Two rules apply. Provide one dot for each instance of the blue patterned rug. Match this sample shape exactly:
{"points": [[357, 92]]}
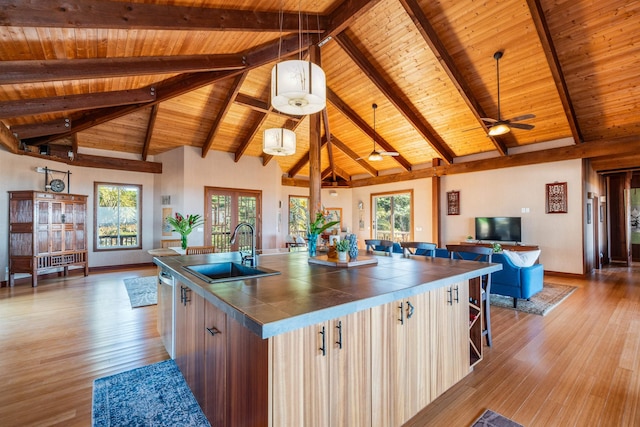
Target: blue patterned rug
{"points": [[142, 291], [493, 419], [156, 395]]}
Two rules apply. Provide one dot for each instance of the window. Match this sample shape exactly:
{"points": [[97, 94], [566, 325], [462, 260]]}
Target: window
{"points": [[117, 216], [298, 216], [392, 216]]}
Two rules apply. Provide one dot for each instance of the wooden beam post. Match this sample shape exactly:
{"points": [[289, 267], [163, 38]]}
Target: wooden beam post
{"points": [[435, 206], [315, 144]]}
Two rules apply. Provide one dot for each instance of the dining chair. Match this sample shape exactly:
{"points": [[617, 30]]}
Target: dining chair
{"points": [[418, 248], [481, 254], [195, 250]]}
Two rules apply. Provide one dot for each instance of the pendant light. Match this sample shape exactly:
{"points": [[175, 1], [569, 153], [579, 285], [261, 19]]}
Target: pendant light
{"points": [[279, 142], [298, 87]]}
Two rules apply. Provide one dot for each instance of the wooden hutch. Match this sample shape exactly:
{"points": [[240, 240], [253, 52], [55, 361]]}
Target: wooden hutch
{"points": [[46, 231]]}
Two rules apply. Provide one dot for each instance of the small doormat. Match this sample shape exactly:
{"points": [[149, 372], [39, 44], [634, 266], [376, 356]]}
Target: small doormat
{"points": [[541, 303], [142, 291], [155, 395], [493, 419]]}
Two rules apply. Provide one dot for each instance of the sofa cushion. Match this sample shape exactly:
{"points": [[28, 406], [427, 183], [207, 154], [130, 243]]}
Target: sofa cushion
{"points": [[522, 258]]}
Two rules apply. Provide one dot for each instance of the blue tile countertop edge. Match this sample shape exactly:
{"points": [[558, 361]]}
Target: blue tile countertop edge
{"points": [[305, 294]]}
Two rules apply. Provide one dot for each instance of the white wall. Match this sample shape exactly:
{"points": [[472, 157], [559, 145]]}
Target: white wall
{"points": [[18, 173]]}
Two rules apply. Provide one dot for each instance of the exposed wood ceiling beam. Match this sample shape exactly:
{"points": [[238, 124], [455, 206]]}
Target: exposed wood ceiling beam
{"points": [[112, 163], [182, 84], [261, 106], [537, 14], [127, 15], [364, 127], [346, 14], [226, 106], [327, 133], [150, 125], [622, 146], [446, 61], [8, 139], [354, 156], [420, 125], [253, 130], [39, 129], [303, 160], [14, 72], [56, 104], [329, 172]]}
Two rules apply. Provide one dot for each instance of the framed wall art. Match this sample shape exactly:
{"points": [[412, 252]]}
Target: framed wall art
{"points": [[453, 203], [557, 197], [334, 214]]}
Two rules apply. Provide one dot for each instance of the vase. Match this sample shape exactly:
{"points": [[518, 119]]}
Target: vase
{"points": [[342, 256], [313, 244], [353, 247], [183, 241]]}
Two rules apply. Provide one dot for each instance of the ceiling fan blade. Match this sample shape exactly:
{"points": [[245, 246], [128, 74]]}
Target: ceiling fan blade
{"points": [[521, 126], [523, 117], [487, 119], [389, 153]]}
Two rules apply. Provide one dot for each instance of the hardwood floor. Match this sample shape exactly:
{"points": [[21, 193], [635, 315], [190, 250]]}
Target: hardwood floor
{"points": [[577, 366], [57, 338]]}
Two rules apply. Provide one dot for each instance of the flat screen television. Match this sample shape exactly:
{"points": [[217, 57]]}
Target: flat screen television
{"points": [[501, 229]]}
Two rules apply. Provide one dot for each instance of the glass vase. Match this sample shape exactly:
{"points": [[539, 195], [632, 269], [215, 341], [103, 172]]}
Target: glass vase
{"points": [[183, 241], [313, 244]]}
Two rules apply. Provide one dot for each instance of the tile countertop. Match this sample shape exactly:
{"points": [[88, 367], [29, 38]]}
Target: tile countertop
{"points": [[306, 294]]}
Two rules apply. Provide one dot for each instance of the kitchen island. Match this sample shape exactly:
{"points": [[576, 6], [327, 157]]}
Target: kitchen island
{"points": [[319, 345]]}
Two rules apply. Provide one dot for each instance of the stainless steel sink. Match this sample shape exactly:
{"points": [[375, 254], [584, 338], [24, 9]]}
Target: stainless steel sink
{"points": [[226, 271]]}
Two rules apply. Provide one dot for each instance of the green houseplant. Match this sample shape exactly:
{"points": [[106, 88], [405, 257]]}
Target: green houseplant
{"points": [[342, 246], [184, 225], [315, 228]]}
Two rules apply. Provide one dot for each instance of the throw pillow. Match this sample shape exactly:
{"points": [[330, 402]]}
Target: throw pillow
{"points": [[522, 258]]}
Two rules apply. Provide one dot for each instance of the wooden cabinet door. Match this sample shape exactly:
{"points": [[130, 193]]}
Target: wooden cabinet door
{"points": [[417, 363], [215, 360], [43, 227], [449, 336], [287, 368], [350, 370], [189, 326]]}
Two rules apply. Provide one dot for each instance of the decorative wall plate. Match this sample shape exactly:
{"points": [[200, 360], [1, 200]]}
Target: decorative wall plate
{"points": [[57, 185]]}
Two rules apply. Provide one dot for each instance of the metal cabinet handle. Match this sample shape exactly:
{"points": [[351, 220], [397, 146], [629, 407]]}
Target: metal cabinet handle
{"points": [[458, 294], [401, 319], [323, 347], [339, 328], [213, 331], [450, 296]]}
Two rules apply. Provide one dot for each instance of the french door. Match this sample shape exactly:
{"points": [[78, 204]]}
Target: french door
{"points": [[392, 216], [226, 208]]}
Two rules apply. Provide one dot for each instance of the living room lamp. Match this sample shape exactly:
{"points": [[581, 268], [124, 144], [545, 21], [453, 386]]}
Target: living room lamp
{"points": [[298, 87], [279, 142]]}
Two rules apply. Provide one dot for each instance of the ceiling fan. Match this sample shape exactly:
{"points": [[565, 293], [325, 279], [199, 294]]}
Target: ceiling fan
{"points": [[375, 154], [501, 126]]}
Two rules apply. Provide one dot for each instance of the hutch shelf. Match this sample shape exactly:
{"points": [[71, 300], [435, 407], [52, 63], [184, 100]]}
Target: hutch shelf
{"points": [[47, 231]]}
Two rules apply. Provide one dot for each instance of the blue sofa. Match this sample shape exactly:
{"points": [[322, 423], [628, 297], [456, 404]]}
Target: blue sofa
{"points": [[512, 281]]}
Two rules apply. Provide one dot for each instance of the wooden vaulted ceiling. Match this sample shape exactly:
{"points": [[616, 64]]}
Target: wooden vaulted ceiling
{"points": [[146, 77]]}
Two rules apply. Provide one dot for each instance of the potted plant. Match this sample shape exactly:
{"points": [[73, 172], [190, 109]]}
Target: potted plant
{"points": [[342, 246], [184, 226], [316, 227]]}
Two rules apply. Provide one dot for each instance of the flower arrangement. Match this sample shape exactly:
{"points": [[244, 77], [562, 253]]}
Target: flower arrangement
{"points": [[320, 224], [184, 226]]}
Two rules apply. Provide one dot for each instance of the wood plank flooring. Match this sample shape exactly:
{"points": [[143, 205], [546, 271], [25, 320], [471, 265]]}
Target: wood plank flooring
{"points": [[577, 366]]}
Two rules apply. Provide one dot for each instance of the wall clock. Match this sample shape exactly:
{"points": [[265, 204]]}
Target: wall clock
{"points": [[57, 185]]}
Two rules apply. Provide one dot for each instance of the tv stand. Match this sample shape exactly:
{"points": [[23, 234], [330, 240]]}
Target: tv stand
{"points": [[507, 246]]}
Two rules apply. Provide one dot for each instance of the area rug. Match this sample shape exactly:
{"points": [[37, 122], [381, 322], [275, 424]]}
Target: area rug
{"points": [[493, 419], [541, 303], [155, 395], [142, 291]]}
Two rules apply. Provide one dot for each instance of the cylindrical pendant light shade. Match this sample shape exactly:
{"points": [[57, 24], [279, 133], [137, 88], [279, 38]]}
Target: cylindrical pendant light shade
{"points": [[279, 142], [499, 129], [298, 87]]}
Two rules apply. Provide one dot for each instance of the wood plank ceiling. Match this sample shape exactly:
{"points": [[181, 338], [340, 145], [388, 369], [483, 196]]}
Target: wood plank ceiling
{"points": [[146, 77]]}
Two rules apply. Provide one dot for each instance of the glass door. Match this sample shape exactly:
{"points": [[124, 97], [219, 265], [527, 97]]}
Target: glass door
{"points": [[228, 208], [392, 216]]}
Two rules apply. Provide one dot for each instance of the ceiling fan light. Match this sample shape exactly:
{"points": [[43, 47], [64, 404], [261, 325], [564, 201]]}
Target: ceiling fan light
{"points": [[499, 129], [298, 87], [375, 157], [279, 142]]}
